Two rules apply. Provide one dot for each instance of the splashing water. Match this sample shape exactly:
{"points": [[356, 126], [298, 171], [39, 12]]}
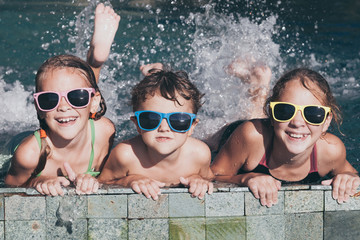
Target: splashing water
{"points": [[201, 39]]}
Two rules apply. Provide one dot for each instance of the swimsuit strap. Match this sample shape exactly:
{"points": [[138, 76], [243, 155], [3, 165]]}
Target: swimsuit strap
{"points": [[90, 170], [313, 160], [38, 139]]}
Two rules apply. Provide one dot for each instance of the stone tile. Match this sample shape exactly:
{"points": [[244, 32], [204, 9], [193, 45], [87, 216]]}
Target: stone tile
{"points": [[2, 207], [150, 229], [25, 208], [2, 229], [265, 227], [174, 190], [287, 187], [58, 229], [66, 207], [224, 204], [254, 207], [12, 190], [226, 228], [183, 205], [141, 207], [107, 206], [33, 229], [332, 205], [342, 225], [187, 228], [304, 201], [107, 229], [304, 226]]}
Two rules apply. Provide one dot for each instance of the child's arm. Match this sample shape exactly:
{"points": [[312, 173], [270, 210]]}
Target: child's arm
{"points": [[236, 152], [345, 179], [116, 171], [201, 182], [23, 164], [105, 26]]}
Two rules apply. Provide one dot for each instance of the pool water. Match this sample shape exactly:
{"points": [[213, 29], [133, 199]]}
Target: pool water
{"points": [[200, 37]]}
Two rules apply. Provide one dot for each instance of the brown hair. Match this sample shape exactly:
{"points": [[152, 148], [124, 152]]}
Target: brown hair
{"points": [[305, 76], [60, 62], [169, 84]]}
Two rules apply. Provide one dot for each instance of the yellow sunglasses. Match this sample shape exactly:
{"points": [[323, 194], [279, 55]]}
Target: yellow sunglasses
{"points": [[312, 114]]}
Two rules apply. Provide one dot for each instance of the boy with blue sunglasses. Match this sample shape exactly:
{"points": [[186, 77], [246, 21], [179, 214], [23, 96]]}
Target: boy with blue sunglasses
{"points": [[165, 104]]}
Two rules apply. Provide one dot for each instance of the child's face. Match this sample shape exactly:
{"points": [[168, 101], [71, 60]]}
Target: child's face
{"points": [[163, 140], [64, 120], [296, 134]]}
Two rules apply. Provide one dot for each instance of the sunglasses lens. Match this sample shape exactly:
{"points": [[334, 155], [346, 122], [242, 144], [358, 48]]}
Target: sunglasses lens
{"points": [[149, 120], [180, 121], [314, 114], [283, 111], [48, 101], [78, 97]]}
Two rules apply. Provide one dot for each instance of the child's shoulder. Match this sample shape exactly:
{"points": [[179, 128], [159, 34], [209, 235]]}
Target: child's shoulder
{"points": [[252, 131], [27, 153], [127, 150], [197, 149], [330, 148], [105, 126]]}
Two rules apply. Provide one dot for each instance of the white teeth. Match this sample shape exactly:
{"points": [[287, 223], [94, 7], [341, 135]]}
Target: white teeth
{"points": [[294, 135], [65, 120]]}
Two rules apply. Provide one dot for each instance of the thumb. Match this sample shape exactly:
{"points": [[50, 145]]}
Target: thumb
{"points": [[64, 182], [160, 184], [71, 174], [184, 181], [327, 182]]}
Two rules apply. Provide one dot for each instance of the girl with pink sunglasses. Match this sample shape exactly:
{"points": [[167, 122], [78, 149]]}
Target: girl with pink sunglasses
{"points": [[74, 138]]}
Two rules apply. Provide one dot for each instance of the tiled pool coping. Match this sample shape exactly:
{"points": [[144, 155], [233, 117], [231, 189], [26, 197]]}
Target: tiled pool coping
{"points": [[303, 212]]}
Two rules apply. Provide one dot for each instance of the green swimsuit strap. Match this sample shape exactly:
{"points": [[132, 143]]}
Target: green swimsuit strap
{"points": [[90, 170]]}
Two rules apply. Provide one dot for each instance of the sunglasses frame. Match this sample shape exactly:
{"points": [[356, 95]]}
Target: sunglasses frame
{"points": [[166, 116], [301, 108], [63, 94]]}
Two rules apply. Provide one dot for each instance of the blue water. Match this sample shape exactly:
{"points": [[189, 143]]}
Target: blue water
{"points": [[200, 38]]}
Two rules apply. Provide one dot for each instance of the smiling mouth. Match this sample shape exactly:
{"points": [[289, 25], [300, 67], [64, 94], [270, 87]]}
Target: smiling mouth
{"points": [[66, 120], [297, 135]]}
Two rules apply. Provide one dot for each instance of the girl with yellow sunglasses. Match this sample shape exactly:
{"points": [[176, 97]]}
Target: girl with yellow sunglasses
{"points": [[290, 146]]}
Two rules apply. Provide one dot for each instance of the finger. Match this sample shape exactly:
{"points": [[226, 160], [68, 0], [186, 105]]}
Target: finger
{"points": [[184, 181], [136, 187], [263, 199], [39, 189], [355, 186], [90, 184], [211, 188], [70, 172], [59, 189], [197, 191], [63, 181], [95, 187], [45, 189], [327, 182], [144, 190], [203, 191], [159, 184], [52, 190], [193, 187], [153, 192], [269, 198], [155, 187], [255, 192], [341, 190]]}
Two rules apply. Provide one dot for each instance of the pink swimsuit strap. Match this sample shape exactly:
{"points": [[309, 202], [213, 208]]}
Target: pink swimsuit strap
{"points": [[313, 160]]}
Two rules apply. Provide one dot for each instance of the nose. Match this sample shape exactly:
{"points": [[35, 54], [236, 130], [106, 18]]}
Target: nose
{"points": [[63, 105], [164, 126], [298, 120]]}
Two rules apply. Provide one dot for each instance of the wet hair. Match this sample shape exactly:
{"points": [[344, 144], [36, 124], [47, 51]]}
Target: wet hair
{"points": [[169, 84], [80, 67], [305, 76]]}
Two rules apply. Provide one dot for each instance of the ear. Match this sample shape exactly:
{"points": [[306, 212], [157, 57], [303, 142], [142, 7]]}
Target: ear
{"points": [[95, 102], [134, 120], [191, 130], [327, 122]]}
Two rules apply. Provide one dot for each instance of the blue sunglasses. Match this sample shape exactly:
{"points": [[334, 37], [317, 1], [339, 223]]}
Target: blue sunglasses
{"points": [[178, 121]]}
